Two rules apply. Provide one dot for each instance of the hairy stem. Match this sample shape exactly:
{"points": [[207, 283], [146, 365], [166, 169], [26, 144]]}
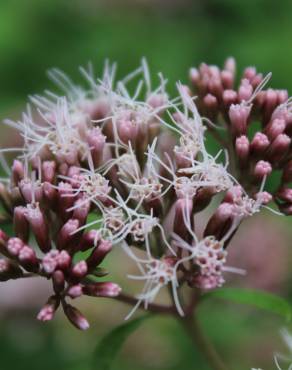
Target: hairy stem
{"points": [[191, 326]]}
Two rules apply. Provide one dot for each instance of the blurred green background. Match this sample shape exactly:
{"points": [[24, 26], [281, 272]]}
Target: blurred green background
{"points": [[174, 35]]}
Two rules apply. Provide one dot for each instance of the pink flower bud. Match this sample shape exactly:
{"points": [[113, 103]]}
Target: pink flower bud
{"points": [[31, 191], [48, 171], [98, 254], [128, 130], [210, 102], [242, 148], [63, 260], [96, 141], [89, 239], [81, 212], [28, 259], [219, 223], [47, 313], [39, 226], [65, 199], [20, 223], [230, 65], [50, 194], [262, 168], [103, 289], [67, 235], [76, 317], [227, 78], [285, 194], [259, 143], [58, 281], [250, 73], [75, 291], [275, 128], [49, 261], [279, 147], [17, 172], [14, 246], [229, 97], [239, 114], [194, 76], [208, 282], [263, 197], [245, 90], [79, 270]]}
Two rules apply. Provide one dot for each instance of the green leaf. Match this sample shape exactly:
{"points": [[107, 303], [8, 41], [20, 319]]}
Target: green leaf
{"points": [[257, 298], [109, 346]]}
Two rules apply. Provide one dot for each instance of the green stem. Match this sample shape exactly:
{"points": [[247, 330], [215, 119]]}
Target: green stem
{"points": [[191, 326]]}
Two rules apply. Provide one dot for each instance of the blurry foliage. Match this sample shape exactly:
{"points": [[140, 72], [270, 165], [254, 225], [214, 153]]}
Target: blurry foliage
{"points": [[36, 35]]}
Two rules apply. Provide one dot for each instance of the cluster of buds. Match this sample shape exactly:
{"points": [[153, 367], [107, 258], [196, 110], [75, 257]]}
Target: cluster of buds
{"points": [[257, 124], [101, 168]]}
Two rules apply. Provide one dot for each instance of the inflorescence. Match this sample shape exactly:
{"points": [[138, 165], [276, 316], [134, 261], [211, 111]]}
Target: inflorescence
{"points": [[101, 169]]}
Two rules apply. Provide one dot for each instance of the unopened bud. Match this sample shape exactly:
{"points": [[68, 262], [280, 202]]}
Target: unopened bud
{"points": [[103, 289], [98, 254], [47, 313], [262, 168], [20, 223], [76, 317]]}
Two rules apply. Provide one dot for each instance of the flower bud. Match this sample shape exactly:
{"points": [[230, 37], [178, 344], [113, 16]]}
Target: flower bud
{"points": [[48, 171], [245, 90], [20, 223], [262, 168], [242, 148], [275, 128], [238, 115], [58, 281], [9, 270], [14, 246], [227, 79], [285, 194], [79, 270], [65, 199], [259, 143], [279, 147], [96, 141], [103, 289], [39, 226], [49, 261], [28, 259], [89, 239], [17, 172], [98, 254], [47, 313], [76, 317], [31, 191], [75, 291], [67, 234], [220, 222], [50, 194], [81, 212], [229, 97]]}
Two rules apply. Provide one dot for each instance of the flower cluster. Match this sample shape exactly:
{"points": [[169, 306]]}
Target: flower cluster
{"points": [[121, 165], [257, 122]]}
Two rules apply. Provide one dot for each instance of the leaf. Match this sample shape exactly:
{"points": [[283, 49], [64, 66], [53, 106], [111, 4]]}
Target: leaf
{"points": [[110, 345], [263, 300]]}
